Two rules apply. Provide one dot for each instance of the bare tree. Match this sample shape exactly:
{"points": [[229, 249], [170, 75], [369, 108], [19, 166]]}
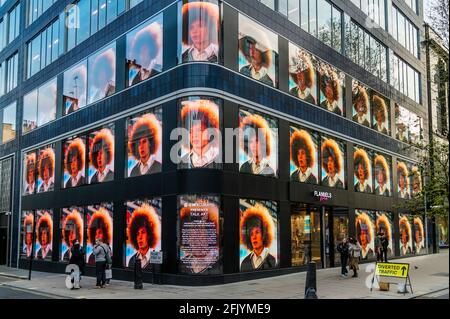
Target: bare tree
{"points": [[438, 17]]}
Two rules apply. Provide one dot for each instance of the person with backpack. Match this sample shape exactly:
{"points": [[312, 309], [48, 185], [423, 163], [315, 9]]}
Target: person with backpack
{"points": [[384, 247], [108, 272], [101, 253], [355, 253], [342, 248], [77, 257]]}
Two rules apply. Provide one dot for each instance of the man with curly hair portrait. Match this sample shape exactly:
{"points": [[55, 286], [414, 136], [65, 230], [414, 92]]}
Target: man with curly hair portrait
{"points": [[362, 171], [101, 156], [74, 162], [332, 164], [47, 170], [303, 154]]}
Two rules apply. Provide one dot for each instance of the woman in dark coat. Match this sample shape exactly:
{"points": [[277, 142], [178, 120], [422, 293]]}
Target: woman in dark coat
{"points": [[77, 257]]}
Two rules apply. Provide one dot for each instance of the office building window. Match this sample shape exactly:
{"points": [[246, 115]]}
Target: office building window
{"points": [[11, 72], [2, 78], [412, 4], [374, 9], [9, 123], [45, 48], [405, 32], [2, 33], [405, 79], [14, 23], [37, 7]]}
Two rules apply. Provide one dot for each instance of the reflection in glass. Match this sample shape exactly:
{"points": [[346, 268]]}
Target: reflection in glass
{"points": [[102, 74], [302, 70], [75, 86]]}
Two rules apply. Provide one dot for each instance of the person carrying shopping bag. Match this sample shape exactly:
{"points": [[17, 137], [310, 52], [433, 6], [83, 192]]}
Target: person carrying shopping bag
{"points": [[102, 257]]}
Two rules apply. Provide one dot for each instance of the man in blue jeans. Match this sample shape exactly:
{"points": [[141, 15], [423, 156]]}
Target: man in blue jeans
{"points": [[100, 252]]}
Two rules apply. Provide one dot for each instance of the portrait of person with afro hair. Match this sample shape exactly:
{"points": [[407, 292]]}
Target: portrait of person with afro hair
{"points": [[405, 235], [102, 74], [100, 225], [361, 106], [256, 144], [202, 118], [28, 224], [416, 181], [403, 180], [380, 114], [143, 234], [44, 235], [365, 233], [419, 235], [363, 171], [303, 74], [101, 156], [332, 163], [29, 173], [46, 170], [258, 231], [384, 226], [72, 229], [382, 176], [330, 89], [144, 145], [74, 162], [304, 156], [199, 232], [144, 48], [200, 31], [257, 59]]}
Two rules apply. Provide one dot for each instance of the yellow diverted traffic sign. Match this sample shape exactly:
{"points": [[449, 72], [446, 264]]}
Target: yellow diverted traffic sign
{"points": [[392, 270]]}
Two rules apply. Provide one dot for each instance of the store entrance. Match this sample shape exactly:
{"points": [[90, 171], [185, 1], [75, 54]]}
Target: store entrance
{"points": [[335, 223], [3, 245]]}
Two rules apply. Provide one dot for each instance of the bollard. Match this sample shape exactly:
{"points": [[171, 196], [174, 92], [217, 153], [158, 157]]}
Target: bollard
{"points": [[138, 282], [310, 285]]}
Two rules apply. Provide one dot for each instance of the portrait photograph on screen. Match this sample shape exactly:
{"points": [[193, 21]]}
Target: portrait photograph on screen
{"points": [[419, 235], [416, 181], [258, 143], [29, 173], [144, 154], [144, 56], [362, 161], [99, 222], [385, 226], [406, 235], [380, 112], [258, 52], [403, 177], [361, 105], [27, 233], [74, 173], [333, 163], [304, 164], [102, 73], [201, 117], [199, 226], [303, 75], [382, 174], [44, 234], [259, 238], [200, 31], [101, 155], [72, 229], [365, 232], [75, 88], [46, 169], [332, 88]]}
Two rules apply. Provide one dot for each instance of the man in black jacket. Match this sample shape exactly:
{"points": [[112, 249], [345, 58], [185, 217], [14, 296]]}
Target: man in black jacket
{"points": [[384, 247], [342, 248]]}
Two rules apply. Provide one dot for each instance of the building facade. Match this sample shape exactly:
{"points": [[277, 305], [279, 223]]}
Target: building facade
{"points": [[323, 99]]}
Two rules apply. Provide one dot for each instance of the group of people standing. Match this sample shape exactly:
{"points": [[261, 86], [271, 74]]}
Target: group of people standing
{"points": [[350, 251], [103, 261]]}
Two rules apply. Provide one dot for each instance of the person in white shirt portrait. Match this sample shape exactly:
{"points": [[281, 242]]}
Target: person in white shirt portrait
{"points": [[361, 105], [332, 164], [330, 87], [46, 170], [382, 176], [403, 180], [44, 231], [101, 156], [362, 171], [103, 71], [100, 226], [201, 117], [146, 46], [28, 225], [144, 145], [74, 161], [257, 234], [259, 58], [303, 74], [405, 236], [303, 155], [380, 114], [30, 174], [144, 234], [200, 32]]}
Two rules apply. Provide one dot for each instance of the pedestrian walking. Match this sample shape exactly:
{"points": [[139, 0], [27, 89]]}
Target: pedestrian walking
{"points": [[384, 247], [77, 258], [108, 271], [101, 253], [342, 248], [355, 253], [378, 247]]}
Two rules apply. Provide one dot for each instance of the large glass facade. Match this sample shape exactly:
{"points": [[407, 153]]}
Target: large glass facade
{"points": [[405, 79], [405, 32], [102, 73]]}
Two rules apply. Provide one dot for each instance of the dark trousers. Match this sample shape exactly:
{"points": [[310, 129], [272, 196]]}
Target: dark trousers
{"points": [[344, 259], [384, 255], [100, 267], [379, 255]]}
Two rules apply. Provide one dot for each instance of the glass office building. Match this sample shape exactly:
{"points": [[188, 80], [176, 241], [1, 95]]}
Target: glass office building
{"points": [[92, 90]]}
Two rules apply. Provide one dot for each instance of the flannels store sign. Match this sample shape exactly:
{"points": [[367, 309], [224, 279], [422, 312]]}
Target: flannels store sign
{"points": [[322, 196]]}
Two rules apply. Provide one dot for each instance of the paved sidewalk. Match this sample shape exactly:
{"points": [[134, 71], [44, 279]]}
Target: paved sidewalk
{"points": [[428, 274]]}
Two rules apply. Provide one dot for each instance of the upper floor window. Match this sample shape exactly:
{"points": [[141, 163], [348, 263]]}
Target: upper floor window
{"points": [[8, 123], [412, 4], [374, 9], [11, 72], [405, 78], [45, 48], [2, 33], [2, 77], [13, 23], [37, 7], [363, 49], [405, 32]]}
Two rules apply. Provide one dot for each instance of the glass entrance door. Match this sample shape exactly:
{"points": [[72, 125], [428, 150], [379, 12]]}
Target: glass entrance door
{"points": [[336, 229]]}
